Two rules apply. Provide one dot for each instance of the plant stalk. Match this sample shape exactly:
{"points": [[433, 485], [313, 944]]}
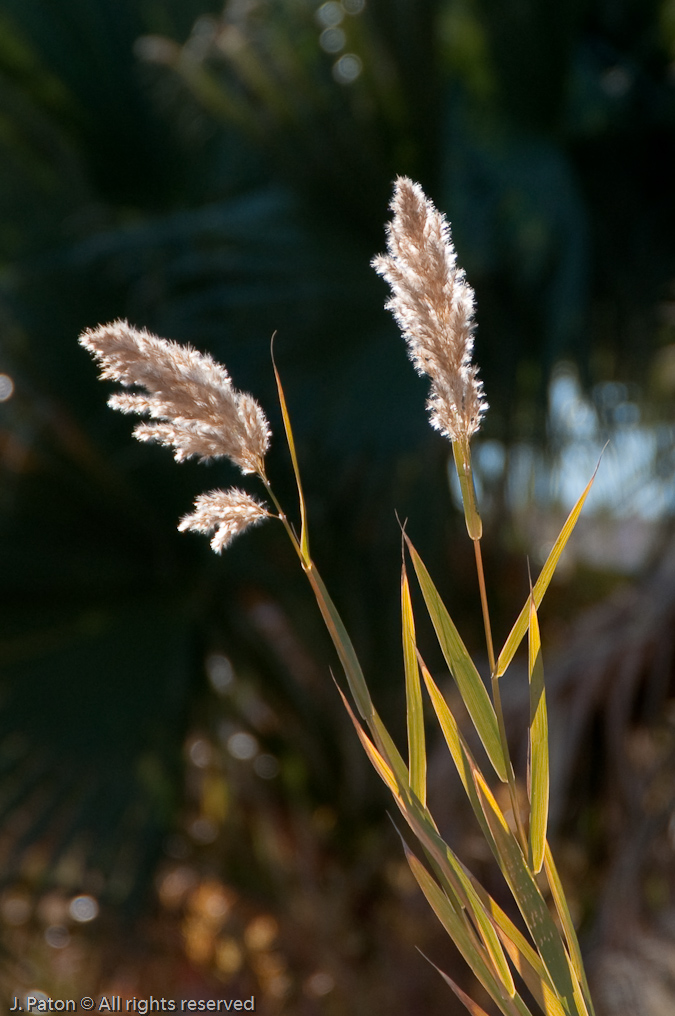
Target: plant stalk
{"points": [[497, 698]]}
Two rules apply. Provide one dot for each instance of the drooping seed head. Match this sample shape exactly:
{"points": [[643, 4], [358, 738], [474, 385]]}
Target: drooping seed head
{"points": [[188, 395]]}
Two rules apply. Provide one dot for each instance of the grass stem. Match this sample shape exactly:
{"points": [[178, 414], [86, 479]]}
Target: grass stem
{"points": [[497, 698], [484, 605]]}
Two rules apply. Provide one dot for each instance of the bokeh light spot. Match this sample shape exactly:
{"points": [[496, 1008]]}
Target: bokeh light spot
{"points": [[199, 752], [242, 746], [261, 932], [228, 956], [347, 68], [174, 886], [221, 672], [330, 14], [83, 908], [6, 387], [332, 40]]}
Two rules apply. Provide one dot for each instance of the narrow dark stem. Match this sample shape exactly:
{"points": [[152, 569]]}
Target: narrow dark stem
{"points": [[497, 698], [282, 515]]}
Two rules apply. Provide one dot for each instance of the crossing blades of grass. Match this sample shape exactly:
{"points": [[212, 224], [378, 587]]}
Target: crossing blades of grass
{"points": [[458, 885], [457, 880], [527, 895], [462, 668], [524, 958], [459, 750], [510, 1004], [558, 894]]}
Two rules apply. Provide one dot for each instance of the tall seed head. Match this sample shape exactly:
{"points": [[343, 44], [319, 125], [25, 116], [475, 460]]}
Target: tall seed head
{"points": [[434, 306]]}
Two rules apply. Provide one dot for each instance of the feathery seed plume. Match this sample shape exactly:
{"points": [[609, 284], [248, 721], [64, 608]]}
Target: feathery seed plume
{"points": [[433, 305], [226, 513], [190, 396]]}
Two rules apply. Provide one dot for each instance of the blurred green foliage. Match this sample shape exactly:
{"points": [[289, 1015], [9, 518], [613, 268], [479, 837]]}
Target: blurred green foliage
{"points": [[214, 176]]}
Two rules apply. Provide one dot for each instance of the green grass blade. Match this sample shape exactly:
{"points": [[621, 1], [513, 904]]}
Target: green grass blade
{"points": [[525, 960], [459, 750], [386, 746], [304, 536], [558, 894], [458, 884], [530, 902], [354, 674], [387, 752], [417, 755], [582, 1008], [342, 643], [457, 879], [541, 585], [451, 733], [467, 678], [538, 754], [488, 917], [454, 925]]}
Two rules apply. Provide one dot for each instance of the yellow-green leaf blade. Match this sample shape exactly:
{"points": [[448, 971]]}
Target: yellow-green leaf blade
{"points": [[467, 678], [458, 883], [527, 895], [558, 894], [461, 936], [385, 744], [459, 750], [379, 764], [524, 958], [304, 536], [417, 756], [526, 961], [494, 968], [541, 585], [538, 754], [354, 674], [342, 643]]}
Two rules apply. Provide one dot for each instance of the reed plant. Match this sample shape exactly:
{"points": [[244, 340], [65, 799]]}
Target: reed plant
{"points": [[192, 407]]}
